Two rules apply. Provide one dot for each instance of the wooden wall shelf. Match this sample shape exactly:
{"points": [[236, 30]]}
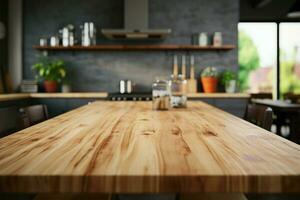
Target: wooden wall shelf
{"points": [[164, 47]]}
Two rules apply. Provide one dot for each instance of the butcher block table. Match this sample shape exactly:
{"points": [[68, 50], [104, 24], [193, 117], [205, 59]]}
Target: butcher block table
{"points": [[126, 147]]}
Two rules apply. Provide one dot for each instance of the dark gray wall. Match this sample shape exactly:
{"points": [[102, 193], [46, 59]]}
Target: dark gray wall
{"points": [[3, 42], [101, 71]]}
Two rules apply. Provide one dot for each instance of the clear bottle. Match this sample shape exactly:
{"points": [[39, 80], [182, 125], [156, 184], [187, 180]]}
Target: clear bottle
{"points": [[178, 87], [160, 94]]}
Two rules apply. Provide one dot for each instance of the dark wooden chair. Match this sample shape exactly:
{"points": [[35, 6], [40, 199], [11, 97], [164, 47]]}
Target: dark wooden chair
{"points": [[35, 114], [259, 115], [294, 98], [11, 120], [261, 96]]}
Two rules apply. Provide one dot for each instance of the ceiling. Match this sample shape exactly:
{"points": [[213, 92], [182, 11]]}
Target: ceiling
{"points": [[273, 10]]}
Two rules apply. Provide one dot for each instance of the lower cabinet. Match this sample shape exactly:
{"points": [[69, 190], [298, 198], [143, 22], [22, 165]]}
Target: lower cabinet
{"points": [[235, 106], [58, 106], [15, 103]]}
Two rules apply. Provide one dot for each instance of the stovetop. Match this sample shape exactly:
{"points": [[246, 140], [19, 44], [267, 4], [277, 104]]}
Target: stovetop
{"points": [[130, 97]]}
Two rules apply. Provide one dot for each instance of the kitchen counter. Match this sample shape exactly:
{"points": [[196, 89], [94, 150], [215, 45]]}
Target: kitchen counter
{"points": [[70, 95], [16, 96], [219, 95], [10, 97], [126, 147]]}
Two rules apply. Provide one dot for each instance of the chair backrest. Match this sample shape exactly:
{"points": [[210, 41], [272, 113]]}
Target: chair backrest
{"points": [[294, 98], [35, 114], [261, 96], [11, 120], [260, 115]]}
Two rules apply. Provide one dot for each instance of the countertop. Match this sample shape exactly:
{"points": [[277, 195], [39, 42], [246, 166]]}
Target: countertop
{"points": [[70, 95], [219, 95], [16, 96], [126, 147], [10, 97]]}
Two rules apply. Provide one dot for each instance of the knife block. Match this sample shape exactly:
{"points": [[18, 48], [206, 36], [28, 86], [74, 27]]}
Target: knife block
{"points": [[191, 86]]}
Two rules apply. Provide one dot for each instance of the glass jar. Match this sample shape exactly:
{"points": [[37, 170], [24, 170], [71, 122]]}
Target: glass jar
{"points": [[217, 40], [178, 86], [160, 94], [203, 39]]}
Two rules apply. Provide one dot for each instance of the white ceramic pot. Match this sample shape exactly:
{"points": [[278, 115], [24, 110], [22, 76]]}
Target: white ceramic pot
{"points": [[66, 88], [230, 86]]}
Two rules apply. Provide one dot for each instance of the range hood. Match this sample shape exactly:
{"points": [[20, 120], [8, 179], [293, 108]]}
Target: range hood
{"points": [[136, 23]]}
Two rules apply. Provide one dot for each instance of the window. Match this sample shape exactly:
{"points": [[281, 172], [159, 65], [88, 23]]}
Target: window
{"points": [[257, 57], [289, 58]]}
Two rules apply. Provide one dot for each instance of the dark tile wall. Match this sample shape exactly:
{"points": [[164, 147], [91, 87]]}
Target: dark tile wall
{"points": [[101, 71], [3, 43]]}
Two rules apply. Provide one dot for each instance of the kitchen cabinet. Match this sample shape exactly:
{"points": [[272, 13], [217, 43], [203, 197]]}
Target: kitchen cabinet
{"points": [[235, 106], [57, 106], [59, 103], [15, 102]]}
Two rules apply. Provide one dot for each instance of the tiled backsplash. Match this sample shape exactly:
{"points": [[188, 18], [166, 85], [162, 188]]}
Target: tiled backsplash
{"points": [[102, 70]]}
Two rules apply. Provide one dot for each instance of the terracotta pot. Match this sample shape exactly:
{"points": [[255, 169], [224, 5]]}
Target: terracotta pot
{"points": [[209, 84], [50, 86]]}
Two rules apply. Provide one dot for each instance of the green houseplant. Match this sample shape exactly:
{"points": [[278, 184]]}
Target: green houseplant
{"points": [[50, 71], [209, 79], [229, 81]]}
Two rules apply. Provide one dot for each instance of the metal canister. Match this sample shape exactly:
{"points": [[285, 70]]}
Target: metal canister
{"points": [[129, 86], [54, 41], [43, 42], [65, 37], [122, 86]]}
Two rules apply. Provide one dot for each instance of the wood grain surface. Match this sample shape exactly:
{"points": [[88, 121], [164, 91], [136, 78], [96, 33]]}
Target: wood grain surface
{"points": [[70, 95], [125, 147], [10, 97]]}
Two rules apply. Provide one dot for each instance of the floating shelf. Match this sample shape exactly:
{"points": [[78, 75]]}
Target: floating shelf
{"points": [[164, 47]]}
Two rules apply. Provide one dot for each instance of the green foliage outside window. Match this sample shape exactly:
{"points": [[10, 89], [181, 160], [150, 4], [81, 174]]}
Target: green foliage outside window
{"points": [[289, 81], [248, 59]]}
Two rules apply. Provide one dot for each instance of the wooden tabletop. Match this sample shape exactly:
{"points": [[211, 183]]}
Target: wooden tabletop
{"points": [[127, 147]]}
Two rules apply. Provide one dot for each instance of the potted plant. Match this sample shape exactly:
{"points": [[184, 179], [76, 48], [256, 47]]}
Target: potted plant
{"points": [[229, 81], [209, 79], [51, 72]]}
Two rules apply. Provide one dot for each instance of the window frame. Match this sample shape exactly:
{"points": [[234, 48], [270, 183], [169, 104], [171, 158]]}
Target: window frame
{"points": [[278, 47]]}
